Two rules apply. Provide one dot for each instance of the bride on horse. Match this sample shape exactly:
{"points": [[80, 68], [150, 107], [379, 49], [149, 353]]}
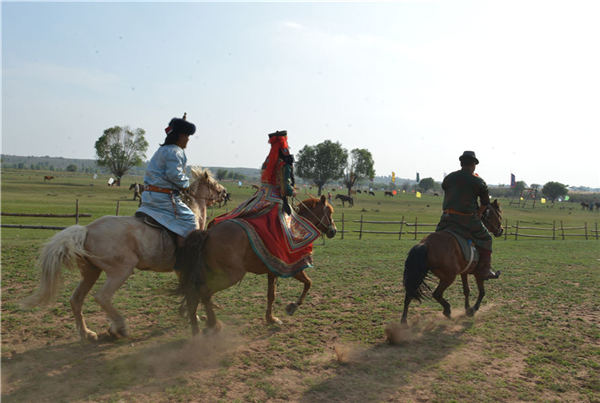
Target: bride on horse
{"points": [[263, 235]]}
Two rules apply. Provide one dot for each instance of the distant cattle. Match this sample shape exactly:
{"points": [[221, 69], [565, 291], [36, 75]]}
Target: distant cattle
{"points": [[388, 194], [225, 199], [111, 182], [371, 193], [48, 178], [344, 199], [358, 191]]}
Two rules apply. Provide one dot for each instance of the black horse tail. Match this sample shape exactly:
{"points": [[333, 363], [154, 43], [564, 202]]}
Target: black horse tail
{"points": [[416, 272], [192, 270]]}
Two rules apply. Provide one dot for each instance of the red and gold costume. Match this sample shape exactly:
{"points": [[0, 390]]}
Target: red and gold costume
{"points": [[279, 237]]}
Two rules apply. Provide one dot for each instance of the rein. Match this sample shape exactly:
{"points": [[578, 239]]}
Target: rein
{"points": [[300, 202]]}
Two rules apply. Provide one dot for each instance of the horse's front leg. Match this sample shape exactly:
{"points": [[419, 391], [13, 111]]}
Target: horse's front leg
{"points": [[466, 292], [481, 289], [303, 278], [270, 299]]}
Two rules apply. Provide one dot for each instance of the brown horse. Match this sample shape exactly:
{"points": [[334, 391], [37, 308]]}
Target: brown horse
{"points": [[115, 245], [223, 255], [440, 254]]}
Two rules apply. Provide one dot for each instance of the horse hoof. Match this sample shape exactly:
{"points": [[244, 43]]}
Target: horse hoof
{"points": [[274, 321], [470, 312], [90, 336], [211, 331], [291, 308], [118, 333], [447, 315]]}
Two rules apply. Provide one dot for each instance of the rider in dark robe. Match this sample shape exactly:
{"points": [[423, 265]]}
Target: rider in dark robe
{"points": [[279, 237], [461, 212]]}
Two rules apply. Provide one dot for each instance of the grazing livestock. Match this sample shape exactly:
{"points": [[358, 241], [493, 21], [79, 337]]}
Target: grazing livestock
{"points": [[372, 193], [344, 199], [48, 178], [388, 194]]}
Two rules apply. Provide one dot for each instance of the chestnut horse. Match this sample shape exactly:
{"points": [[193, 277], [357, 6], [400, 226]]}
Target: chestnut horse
{"points": [[225, 254], [440, 254], [115, 245]]}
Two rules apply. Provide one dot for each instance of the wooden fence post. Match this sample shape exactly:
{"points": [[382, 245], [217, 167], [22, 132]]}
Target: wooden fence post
{"points": [[342, 225], [562, 230], [117, 213], [361, 224], [596, 230], [402, 224], [416, 225], [76, 211], [585, 228], [506, 229], [553, 230], [517, 230]]}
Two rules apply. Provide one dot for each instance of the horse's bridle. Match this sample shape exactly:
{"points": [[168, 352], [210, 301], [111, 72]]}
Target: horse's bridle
{"points": [[485, 217], [329, 225]]}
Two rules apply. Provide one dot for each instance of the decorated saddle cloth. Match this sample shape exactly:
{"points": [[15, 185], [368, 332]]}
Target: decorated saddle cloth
{"points": [[283, 242], [468, 248]]}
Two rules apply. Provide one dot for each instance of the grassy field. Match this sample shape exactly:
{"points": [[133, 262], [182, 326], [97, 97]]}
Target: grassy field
{"points": [[536, 337]]}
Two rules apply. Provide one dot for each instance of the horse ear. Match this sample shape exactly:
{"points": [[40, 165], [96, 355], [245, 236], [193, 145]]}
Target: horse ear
{"points": [[323, 199]]}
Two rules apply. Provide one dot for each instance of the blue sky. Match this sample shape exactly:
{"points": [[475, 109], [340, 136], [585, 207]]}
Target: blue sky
{"points": [[414, 82]]}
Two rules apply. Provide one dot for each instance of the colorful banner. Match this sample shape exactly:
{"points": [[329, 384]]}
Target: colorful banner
{"points": [[393, 177], [513, 181]]}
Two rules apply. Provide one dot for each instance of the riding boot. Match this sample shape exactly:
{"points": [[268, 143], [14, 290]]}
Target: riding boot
{"points": [[484, 267]]}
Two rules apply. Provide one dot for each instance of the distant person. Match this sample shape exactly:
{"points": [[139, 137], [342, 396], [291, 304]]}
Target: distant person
{"points": [[164, 181], [460, 210], [329, 197]]}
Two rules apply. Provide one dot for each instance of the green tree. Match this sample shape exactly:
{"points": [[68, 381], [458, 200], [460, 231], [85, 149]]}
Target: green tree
{"points": [[221, 174], [120, 148], [321, 163], [519, 187], [71, 168], [554, 190], [360, 166], [426, 184]]}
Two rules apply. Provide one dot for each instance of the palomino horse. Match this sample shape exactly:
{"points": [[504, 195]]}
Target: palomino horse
{"points": [[441, 254], [116, 245], [223, 255]]}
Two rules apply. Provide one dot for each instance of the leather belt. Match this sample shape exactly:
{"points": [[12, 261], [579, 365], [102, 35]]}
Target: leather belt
{"points": [[452, 211], [152, 188]]}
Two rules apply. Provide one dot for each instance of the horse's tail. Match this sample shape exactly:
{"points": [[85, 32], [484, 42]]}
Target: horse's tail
{"points": [[63, 249], [416, 272], [192, 270]]}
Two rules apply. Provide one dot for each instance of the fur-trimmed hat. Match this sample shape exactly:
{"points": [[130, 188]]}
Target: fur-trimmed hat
{"points": [[180, 126]]}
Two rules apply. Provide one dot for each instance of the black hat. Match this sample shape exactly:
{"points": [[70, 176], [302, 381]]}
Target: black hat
{"points": [[177, 126], [278, 133], [468, 156]]}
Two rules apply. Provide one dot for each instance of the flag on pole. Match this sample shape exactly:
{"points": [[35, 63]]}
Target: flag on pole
{"points": [[513, 181], [393, 177], [418, 178]]}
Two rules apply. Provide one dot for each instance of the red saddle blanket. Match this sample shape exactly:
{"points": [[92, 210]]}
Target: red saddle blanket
{"points": [[283, 242]]}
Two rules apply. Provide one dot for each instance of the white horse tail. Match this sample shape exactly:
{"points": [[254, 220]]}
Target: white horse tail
{"points": [[63, 249]]}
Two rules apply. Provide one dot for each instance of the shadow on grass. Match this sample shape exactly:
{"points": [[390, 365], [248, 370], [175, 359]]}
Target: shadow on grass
{"points": [[377, 372], [76, 371]]}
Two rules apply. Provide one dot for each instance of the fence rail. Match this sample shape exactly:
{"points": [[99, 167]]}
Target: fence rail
{"points": [[46, 215], [413, 229]]}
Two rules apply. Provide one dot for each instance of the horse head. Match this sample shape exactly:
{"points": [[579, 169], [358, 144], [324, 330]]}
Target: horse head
{"points": [[492, 218], [204, 187], [320, 213]]}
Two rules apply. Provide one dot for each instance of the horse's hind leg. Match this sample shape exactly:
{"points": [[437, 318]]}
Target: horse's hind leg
{"points": [[104, 298], [302, 277], [89, 276], [270, 299], [438, 295], [466, 292], [212, 323]]}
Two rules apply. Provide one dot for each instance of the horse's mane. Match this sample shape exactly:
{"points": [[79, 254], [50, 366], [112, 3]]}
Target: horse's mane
{"points": [[311, 203]]}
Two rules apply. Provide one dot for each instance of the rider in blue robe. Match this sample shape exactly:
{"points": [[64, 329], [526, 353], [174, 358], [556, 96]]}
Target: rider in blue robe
{"points": [[165, 179]]}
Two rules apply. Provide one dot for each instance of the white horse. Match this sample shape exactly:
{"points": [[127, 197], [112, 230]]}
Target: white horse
{"points": [[116, 245]]}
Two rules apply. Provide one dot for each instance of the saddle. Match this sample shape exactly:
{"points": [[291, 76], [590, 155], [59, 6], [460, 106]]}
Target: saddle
{"points": [[469, 250], [146, 219]]}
